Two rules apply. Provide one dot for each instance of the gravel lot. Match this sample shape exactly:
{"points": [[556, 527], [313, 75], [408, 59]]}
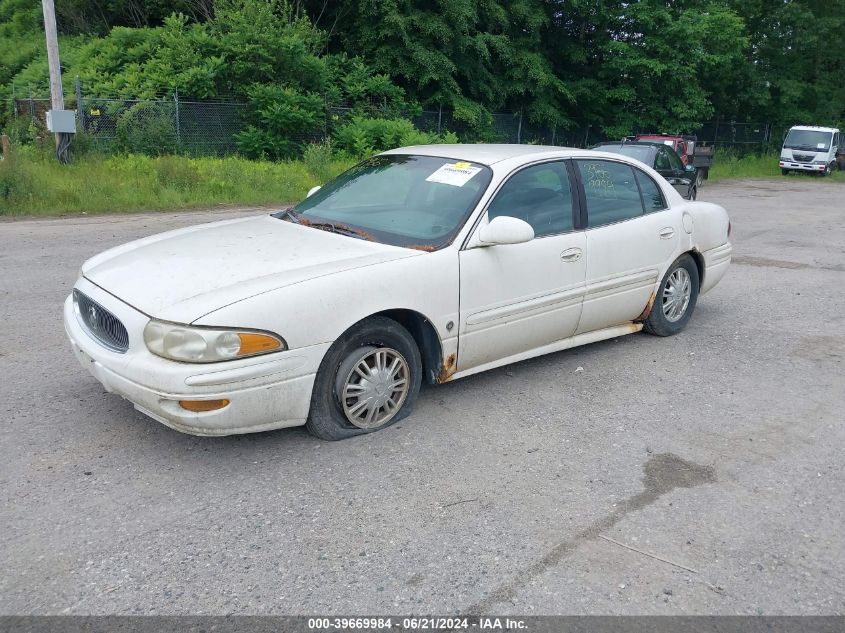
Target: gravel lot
{"points": [[517, 491]]}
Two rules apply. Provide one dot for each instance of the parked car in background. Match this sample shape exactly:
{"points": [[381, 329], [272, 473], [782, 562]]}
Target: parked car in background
{"points": [[662, 159], [813, 149], [689, 150], [420, 264]]}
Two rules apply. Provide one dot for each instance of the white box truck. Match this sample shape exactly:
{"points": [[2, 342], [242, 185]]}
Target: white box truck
{"points": [[815, 149]]}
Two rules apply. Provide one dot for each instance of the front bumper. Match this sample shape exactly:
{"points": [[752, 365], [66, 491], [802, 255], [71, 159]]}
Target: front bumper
{"points": [[265, 392], [788, 164]]}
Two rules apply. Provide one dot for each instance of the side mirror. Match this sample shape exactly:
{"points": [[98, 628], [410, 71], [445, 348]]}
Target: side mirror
{"points": [[690, 169], [504, 229], [312, 191]]}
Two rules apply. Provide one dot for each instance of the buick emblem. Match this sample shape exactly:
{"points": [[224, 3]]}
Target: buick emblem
{"points": [[93, 319]]}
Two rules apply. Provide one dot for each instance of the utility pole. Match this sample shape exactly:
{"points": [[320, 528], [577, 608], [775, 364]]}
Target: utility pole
{"points": [[56, 95]]}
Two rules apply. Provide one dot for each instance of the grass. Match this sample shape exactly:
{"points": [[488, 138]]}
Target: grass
{"points": [[33, 183], [728, 166]]}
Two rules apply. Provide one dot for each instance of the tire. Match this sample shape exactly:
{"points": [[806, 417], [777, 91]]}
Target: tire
{"points": [[699, 179], [827, 170], [784, 172], [368, 341], [693, 194], [664, 320]]}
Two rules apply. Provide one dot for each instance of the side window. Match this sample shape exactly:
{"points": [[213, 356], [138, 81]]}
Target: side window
{"points": [[540, 195], [611, 192], [652, 196], [661, 161], [675, 162]]}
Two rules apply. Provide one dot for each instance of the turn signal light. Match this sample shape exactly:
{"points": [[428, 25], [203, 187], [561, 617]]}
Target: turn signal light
{"points": [[200, 406], [257, 343]]}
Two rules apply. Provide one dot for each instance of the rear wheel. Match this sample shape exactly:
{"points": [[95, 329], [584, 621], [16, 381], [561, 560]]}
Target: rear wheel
{"points": [[368, 380], [676, 298], [699, 179]]}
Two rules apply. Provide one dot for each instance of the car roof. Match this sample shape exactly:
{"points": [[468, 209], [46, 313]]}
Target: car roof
{"points": [[635, 143], [483, 153], [815, 128]]}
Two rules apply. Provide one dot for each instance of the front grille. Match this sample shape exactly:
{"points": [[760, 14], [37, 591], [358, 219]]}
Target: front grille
{"points": [[803, 158], [100, 323]]}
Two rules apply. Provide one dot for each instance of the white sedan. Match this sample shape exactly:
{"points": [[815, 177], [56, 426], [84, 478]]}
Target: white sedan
{"points": [[421, 264]]}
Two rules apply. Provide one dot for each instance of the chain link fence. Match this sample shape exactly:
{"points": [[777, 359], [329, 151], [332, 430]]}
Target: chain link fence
{"points": [[209, 128]]}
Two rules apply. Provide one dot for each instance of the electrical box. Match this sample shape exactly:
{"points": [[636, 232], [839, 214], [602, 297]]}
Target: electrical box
{"points": [[61, 121]]}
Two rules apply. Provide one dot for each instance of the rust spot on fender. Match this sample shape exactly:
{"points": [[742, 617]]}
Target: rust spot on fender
{"points": [[647, 310], [449, 368], [428, 248]]}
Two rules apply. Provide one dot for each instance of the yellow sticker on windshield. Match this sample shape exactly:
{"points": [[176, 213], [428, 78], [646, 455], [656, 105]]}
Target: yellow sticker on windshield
{"points": [[457, 174]]}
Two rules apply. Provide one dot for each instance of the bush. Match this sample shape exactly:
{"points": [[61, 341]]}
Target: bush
{"points": [[16, 182], [283, 120], [148, 128], [319, 158], [23, 130], [364, 136]]}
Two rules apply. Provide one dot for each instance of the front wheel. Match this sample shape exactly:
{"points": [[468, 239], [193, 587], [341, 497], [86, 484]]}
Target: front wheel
{"points": [[368, 380], [693, 194], [828, 170], [784, 172], [676, 298]]}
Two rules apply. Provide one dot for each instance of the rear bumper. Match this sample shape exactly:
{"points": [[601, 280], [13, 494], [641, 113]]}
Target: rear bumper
{"points": [[265, 392], [716, 262]]}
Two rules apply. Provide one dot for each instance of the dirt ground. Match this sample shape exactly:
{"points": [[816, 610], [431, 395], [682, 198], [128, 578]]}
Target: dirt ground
{"points": [[697, 474]]}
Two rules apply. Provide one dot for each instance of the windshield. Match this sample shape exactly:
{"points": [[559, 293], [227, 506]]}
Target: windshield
{"points": [[808, 140], [411, 201], [641, 152]]}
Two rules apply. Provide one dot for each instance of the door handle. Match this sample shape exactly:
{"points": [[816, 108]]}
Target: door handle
{"points": [[571, 255], [666, 233]]}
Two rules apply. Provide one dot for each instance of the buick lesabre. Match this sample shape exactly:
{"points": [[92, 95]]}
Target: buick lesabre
{"points": [[421, 264]]}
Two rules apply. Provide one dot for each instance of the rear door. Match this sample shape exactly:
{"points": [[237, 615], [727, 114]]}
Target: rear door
{"points": [[631, 234]]}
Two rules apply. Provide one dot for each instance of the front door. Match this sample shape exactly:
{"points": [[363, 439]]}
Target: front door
{"points": [[519, 297], [668, 165]]}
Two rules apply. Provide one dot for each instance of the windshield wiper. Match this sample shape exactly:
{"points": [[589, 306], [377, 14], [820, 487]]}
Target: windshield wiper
{"points": [[340, 229], [288, 214]]}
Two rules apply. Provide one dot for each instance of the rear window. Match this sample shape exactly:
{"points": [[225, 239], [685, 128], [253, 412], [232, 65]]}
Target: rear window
{"points": [[640, 152]]}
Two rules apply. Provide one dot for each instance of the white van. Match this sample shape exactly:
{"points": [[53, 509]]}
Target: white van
{"points": [[812, 148]]}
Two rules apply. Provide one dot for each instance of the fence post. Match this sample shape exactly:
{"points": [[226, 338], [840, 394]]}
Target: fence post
{"points": [[80, 108], [554, 131], [31, 105], [519, 129], [439, 119], [178, 129]]}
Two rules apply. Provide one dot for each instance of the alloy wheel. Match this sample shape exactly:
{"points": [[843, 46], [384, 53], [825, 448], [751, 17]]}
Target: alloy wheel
{"points": [[676, 295]]}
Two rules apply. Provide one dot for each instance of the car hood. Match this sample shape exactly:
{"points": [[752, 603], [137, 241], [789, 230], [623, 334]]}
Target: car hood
{"points": [[184, 274]]}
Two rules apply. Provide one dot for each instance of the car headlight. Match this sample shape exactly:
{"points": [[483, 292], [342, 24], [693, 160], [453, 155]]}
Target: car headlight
{"points": [[207, 345]]}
